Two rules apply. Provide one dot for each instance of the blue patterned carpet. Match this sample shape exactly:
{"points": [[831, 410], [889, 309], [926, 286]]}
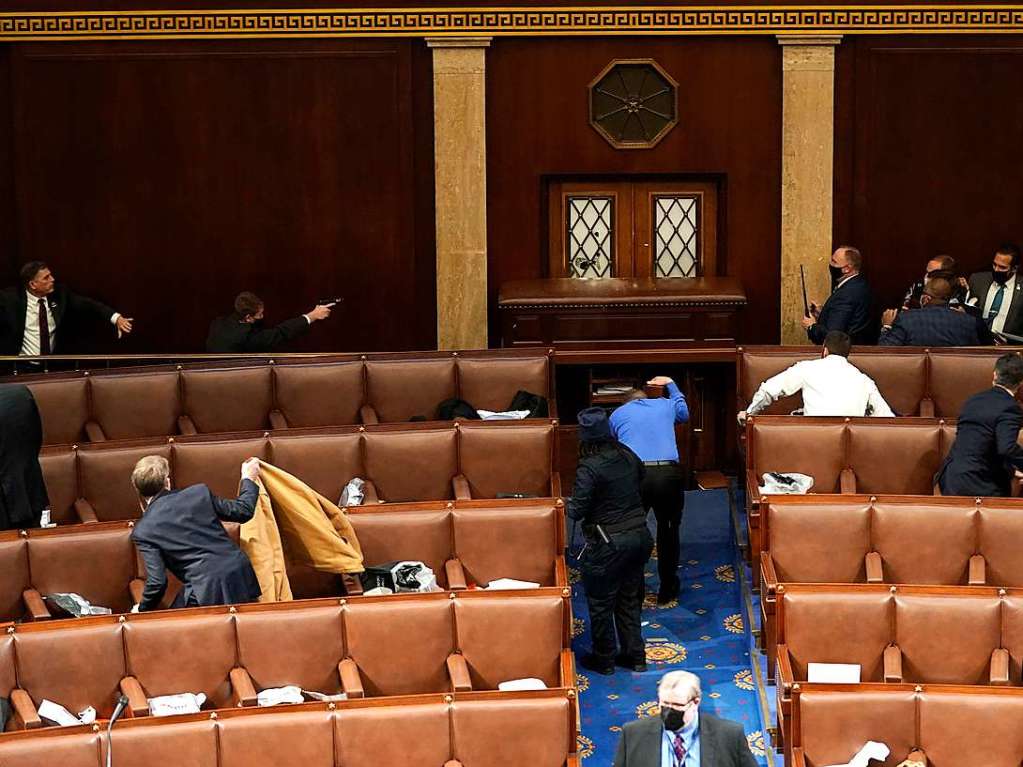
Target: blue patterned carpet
{"points": [[706, 633]]}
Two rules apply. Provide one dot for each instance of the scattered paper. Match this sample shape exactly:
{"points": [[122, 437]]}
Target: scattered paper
{"points": [[872, 750], [87, 715], [324, 697], [506, 415], [833, 673], [171, 705], [55, 712], [506, 584], [275, 696], [516, 685]]}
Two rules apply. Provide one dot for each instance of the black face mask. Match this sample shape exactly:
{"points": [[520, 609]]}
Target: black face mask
{"points": [[1002, 277], [836, 272], [673, 720]]}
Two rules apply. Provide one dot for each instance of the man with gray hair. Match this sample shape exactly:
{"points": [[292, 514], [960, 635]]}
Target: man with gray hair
{"points": [[181, 531], [682, 736]]}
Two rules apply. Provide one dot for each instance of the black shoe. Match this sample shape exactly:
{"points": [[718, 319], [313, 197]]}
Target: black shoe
{"points": [[664, 596], [626, 662], [593, 663]]}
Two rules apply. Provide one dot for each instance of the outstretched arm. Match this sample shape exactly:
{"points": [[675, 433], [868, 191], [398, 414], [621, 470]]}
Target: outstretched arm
{"points": [[238, 509]]}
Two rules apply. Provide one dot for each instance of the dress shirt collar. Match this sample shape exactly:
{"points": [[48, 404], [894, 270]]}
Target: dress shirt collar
{"points": [[844, 280]]}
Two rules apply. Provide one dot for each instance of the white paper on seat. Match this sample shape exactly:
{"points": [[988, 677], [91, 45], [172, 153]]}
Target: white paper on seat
{"points": [[833, 673], [182, 703], [57, 713], [324, 697], [872, 750], [516, 685], [87, 715], [505, 584], [506, 415], [275, 696]]}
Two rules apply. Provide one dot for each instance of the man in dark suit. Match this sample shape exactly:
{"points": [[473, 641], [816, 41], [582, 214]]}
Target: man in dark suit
{"points": [[934, 323], [682, 736], [243, 331], [985, 453], [180, 531], [33, 318], [848, 307], [22, 490], [998, 294]]}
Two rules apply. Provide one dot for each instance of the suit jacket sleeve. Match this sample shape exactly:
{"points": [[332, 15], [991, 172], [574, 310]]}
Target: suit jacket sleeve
{"points": [[838, 317], [77, 304], [156, 576], [241, 508], [1006, 433], [582, 492], [620, 760], [269, 339], [897, 336]]}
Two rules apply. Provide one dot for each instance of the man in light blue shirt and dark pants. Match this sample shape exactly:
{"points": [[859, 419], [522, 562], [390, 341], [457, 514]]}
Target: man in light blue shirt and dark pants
{"points": [[647, 427]]}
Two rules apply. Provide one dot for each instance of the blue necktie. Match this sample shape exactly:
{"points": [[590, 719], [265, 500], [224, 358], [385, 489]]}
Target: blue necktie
{"points": [[996, 305]]}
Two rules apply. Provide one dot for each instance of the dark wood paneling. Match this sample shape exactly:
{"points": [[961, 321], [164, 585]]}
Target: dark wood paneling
{"points": [[165, 177], [729, 130], [928, 152]]}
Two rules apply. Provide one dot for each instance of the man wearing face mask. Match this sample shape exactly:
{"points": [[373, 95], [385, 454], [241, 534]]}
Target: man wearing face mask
{"points": [[935, 323], [939, 266], [848, 307], [999, 293], [682, 736], [243, 331]]}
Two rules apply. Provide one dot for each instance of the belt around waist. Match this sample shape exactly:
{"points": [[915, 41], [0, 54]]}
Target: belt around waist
{"points": [[660, 463], [636, 523]]}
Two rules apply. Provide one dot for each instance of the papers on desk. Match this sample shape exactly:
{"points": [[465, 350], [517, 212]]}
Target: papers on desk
{"points": [[54, 712], [833, 673], [171, 705], [504, 415], [505, 584], [517, 685], [872, 750]]}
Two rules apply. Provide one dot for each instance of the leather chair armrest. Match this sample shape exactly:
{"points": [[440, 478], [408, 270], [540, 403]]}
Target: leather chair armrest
{"points": [[85, 512], [937, 489], [875, 567], [186, 426], [927, 408], [768, 575], [244, 690], [458, 673], [351, 680], [752, 485], [137, 703], [461, 488], [1000, 666], [847, 481], [455, 574], [784, 676], [25, 710], [352, 583], [277, 420], [560, 572], [978, 570], [368, 415], [892, 664], [798, 759], [556, 484], [34, 605], [94, 432], [567, 668], [369, 493], [135, 588]]}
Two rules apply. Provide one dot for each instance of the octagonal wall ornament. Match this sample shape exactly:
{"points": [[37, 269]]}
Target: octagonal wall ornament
{"points": [[633, 103]]}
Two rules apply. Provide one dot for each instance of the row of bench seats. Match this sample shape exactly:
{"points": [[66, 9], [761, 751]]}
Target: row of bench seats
{"points": [[372, 647], [401, 464], [913, 381], [889, 539], [953, 726], [912, 634], [875, 456], [463, 729], [211, 398], [466, 546]]}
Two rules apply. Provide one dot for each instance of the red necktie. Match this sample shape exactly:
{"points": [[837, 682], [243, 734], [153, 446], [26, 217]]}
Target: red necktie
{"points": [[680, 750], [44, 328]]}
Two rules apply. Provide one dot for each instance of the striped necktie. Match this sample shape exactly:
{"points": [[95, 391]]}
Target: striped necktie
{"points": [[680, 750]]}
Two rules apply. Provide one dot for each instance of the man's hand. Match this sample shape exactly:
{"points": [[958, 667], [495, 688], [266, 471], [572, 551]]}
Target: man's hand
{"points": [[659, 381], [808, 322], [124, 324], [320, 312], [250, 469], [815, 309], [888, 316], [742, 418]]}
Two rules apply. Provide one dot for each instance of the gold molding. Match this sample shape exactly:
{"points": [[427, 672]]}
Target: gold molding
{"points": [[512, 21]]}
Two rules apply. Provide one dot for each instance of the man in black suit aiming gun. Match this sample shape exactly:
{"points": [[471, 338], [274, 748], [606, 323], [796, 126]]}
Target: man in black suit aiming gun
{"points": [[243, 331]]}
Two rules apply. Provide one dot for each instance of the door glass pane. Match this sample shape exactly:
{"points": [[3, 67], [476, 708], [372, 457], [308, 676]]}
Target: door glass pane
{"points": [[675, 235], [590, 243]]}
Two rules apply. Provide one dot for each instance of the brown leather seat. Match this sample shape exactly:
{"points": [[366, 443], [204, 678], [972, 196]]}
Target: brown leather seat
{"points": [[387, 536], [237, 399], [319, 395], [514, 542], [60, 474], [541, 732], [400, 389], [8, 680], [365, 737], [303, 738], [105, 478], [79, 749], [325, 462], [63, 408], [947, 639], [971, 730], [925, 543], [412, 466], [130, 405], [954, 378], [835, 725], [215, 464], [506, 458], [14, 566], [897, 459], [901, 378], [491, 383], [191, 743], [757, 364], [807, 446]]}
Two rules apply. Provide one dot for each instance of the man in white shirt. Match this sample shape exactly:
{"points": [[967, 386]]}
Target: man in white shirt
{"points": [[33, 318], [830, 385], [999, 293]]}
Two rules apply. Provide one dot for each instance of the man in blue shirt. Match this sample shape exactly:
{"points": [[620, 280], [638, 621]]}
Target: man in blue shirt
{"points": [[681, 736], [647, 427]]}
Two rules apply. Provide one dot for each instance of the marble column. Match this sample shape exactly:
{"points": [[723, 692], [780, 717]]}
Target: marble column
{"points": [[808, 121], [460, 179]]}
